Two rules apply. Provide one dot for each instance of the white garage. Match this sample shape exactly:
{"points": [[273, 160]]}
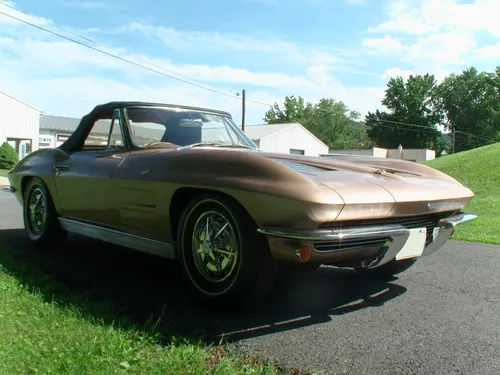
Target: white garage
{"points": [[54, 130], [290, 138], [19, 124]]}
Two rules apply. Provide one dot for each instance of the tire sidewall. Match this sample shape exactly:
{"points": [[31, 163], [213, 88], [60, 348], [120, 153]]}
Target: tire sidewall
{"points": [[185, 253], [32, 185]]}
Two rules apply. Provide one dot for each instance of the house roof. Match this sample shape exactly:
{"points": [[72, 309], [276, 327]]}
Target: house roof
{"points": [[20, 101], [49, 122], [266, 130], [258, 132]]}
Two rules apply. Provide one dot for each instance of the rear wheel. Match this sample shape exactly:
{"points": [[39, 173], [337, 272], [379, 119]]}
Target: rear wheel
{"points": [[389, 269], [226, 261], [39, 215]]}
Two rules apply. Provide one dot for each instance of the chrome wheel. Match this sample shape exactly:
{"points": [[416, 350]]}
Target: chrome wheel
{"points": [[215, 247], [37, 211]]}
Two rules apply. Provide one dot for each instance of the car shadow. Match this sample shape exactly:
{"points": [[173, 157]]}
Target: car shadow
{"points": [[145, 287]]}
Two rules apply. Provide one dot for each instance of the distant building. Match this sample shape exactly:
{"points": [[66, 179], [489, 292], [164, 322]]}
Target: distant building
{"points": [[54, 130], [416, 155], [292, 138], [19, 124]]}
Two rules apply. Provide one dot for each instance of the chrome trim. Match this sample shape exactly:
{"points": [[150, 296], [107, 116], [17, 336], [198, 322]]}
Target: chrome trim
{"points": [[337, 235], [284, 243], [454, 221], [445, 229], [120, 238], [10, 189]]}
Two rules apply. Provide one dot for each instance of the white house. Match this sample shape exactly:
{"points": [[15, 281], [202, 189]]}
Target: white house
{"points": [[54, 130], [410, 154], [19, 124], [290, 138]]}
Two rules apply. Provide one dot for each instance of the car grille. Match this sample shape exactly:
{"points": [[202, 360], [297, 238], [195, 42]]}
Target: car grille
{"points": [[364, 244], [428, 221]]}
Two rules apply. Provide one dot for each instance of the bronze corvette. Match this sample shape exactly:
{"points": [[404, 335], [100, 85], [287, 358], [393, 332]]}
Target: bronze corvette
{"points": [[187, 184]]}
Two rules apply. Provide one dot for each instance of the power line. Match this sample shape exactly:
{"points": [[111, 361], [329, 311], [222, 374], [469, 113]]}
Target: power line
{"points": [[102, 45], [43, 20], [119, 57]]}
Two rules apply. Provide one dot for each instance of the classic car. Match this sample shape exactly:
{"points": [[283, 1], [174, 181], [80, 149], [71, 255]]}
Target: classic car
{"points": [[188, 184]]}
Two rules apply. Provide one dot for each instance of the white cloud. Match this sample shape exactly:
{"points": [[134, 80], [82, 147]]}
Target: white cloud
{"points": [[385, 45], [443, 34], [64, 79], [489, 53], [420, 17], [188, 41], [6, 19], [438, 50], [396, 72]]}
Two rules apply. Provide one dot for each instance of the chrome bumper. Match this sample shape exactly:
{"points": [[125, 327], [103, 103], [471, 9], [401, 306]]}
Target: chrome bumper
{"points": [[9, 189], [285, 245]]}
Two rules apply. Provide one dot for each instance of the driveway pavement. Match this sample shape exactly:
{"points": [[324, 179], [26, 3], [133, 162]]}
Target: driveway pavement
{"points": [[440, 317]]}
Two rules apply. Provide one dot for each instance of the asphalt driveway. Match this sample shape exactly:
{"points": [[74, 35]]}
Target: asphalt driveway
{"points": [[440, 317]]}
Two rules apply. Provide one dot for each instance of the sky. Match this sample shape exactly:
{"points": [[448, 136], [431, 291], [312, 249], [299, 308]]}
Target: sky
{"points": [[204, 53]]}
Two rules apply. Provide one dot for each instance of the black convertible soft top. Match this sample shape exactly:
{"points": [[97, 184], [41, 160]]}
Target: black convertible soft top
{"points": [[105, 110]]}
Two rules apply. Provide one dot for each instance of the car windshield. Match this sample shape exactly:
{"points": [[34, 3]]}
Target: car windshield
{"points": [[184, 128]]}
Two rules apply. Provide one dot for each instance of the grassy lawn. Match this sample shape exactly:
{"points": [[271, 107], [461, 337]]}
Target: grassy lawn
{"points": [[479, 170], [3, 172], [43, 332]]}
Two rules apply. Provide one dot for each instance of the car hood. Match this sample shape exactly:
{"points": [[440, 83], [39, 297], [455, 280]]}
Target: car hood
{"points": [[361, 180]]}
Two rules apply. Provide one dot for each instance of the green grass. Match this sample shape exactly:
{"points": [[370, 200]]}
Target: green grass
{"points": [[479, 170], [43, 332], [3, 172]]}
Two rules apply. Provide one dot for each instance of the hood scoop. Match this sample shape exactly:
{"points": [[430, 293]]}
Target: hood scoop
{"points": [[303, 168]]}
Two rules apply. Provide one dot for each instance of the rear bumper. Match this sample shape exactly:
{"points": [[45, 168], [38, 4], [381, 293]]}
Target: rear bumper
{"points": [[370, 246]]}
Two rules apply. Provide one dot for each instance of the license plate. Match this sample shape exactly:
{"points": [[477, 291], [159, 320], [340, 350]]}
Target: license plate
{"points": [[415, 244]]}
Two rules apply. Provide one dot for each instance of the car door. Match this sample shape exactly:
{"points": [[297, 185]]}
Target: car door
{"points": [[84, 179]]}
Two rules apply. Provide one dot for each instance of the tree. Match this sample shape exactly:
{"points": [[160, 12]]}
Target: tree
{"points": [[329, 120], [471, 103], [413, 116], [294, 110], [8, 156]]}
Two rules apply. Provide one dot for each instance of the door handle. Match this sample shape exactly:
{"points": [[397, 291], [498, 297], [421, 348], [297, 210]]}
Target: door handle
{"points": [[59, 168]]}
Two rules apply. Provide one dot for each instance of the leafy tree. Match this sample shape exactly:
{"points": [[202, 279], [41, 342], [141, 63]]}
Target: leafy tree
{"points": [[414, 112], [294, 110], [8, 156], [471, 103], [329, 120]]}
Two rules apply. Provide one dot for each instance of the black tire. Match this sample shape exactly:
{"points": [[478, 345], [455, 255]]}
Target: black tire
{"points": [[41, 231], [389, 269], [252, 271]]}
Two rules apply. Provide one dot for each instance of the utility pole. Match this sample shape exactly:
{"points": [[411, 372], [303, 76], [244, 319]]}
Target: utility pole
{"points": [[243, 112], [453, 140]]}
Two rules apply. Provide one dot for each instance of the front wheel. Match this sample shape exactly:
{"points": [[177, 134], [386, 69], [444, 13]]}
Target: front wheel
{"points": [[389, 269], [39, 214], [226, 261]]}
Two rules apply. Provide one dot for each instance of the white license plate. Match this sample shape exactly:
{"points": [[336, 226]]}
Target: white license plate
{"points": [[415, 244]]}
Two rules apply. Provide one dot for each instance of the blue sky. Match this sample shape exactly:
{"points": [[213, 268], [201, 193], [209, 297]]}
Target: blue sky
{"points": [[345, 49]]}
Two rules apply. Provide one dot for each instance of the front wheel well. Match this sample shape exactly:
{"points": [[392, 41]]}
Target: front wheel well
{"points": [[181, 198], [24, 182]]}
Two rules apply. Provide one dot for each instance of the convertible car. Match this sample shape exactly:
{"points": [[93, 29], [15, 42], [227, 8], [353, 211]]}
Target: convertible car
{"points": [[187, 184]]}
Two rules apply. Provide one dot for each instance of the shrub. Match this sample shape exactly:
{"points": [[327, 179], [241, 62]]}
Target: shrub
{"points": [[8, 156]]}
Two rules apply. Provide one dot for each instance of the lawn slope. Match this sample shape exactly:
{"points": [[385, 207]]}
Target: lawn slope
{"points": [[479, 170]]}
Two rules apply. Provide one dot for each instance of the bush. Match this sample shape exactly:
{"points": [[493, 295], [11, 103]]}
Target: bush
{"points": [[8, 156]]}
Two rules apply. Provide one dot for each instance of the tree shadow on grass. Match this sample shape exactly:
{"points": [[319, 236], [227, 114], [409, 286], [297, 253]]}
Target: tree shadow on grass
{"points": [[149, 294]]}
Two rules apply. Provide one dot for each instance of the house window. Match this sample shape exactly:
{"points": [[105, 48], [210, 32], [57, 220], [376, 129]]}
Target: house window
{"points": [[297, 151]]}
